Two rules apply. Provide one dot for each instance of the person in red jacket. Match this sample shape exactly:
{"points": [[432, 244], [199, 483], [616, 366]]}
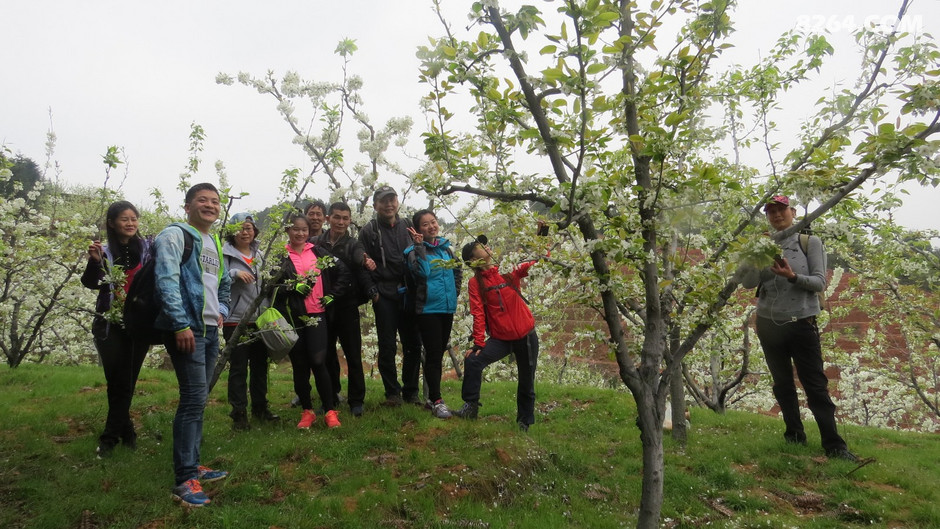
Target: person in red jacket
{"points": [[498, 309]]}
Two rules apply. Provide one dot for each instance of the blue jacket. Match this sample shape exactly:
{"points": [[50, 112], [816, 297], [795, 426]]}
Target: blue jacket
{"points": [[436, 285], [179, 286]]}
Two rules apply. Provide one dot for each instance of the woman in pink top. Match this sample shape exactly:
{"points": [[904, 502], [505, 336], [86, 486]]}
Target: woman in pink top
{"points": [[302, 300]]}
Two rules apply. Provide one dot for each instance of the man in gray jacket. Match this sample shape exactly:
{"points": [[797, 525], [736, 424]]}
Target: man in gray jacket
{"points": [[787, 307]]}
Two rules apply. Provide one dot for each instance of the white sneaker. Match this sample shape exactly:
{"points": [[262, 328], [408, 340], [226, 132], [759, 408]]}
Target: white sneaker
{"points": [[440, 410]]}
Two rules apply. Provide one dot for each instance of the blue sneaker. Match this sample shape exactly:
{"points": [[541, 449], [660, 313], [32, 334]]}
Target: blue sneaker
{"points": [[208, 475], [190, 494]]}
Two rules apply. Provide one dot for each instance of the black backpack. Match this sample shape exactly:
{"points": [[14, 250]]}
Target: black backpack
{"points": [[141, 305]]}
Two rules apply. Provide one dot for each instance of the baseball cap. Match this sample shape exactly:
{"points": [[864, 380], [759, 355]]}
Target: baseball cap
{"points": [[466, 253], [783, 200], [383, 192]]}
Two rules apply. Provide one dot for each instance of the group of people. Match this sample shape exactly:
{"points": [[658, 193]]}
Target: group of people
{"points": [[203, 286], [412, 277]]}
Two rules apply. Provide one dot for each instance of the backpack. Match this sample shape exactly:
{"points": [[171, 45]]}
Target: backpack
{"points": [[141, 305], [804, 245]]}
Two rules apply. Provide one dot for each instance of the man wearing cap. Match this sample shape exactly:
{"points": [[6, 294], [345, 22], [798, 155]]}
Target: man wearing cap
{"points": [[787, 307], [384, 239]]}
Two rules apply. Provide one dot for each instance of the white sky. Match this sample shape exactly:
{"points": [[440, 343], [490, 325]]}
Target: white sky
{"points": [[135, 74]]}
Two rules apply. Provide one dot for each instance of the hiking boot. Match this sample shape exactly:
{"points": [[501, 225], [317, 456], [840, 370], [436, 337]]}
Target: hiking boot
{"points": [[842, 453], [440, 410], [208, 475], [469, 410], [190, 494], [307, 418], [393, 401], [356, 410], [523, 427], [239, 420], [264, 415], [332, 419], [103, 451]]}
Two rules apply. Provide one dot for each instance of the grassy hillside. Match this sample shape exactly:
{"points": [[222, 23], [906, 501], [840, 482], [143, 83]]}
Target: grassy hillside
{"points": [[579, 465]]}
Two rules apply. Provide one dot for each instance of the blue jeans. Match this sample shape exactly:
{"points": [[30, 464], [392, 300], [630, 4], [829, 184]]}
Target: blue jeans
{"points": [[526, 350], [193, 372]]}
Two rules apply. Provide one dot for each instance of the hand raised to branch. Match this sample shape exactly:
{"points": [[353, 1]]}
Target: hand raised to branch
{"points": [[95, 251]]}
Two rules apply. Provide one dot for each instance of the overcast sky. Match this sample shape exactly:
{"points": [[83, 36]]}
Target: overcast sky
{"points": [[136, 74]]}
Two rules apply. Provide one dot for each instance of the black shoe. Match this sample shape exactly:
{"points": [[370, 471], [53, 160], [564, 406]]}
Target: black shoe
{"points": [[416, 400], [264, 415], [104, 451], [356, 410], [469, 410], [843, 453], [523, 427], [393, 401], [129, 442], [294, 402], [239, 420], [795, 439]]}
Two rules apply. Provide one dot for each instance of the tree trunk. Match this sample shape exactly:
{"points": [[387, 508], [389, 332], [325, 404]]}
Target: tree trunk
{"points": [[677, 397], [651, 435]]}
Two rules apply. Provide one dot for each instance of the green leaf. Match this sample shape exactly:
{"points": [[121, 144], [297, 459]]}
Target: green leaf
{"points": [[597, 67], [552, 74], [548, 50]]}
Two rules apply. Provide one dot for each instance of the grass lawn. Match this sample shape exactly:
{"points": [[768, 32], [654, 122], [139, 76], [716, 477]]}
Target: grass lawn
{"points": [[578, 466]]}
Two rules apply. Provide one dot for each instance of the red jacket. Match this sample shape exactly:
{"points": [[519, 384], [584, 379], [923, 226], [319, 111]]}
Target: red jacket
{"points": [[506, 316]]}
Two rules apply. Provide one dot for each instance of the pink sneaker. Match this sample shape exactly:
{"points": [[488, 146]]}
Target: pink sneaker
{"points": [[332, 419], [307, 418]]}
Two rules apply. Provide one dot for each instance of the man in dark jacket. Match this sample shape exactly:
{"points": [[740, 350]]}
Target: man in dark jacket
{"points": [[342, 316], [384, 239]]}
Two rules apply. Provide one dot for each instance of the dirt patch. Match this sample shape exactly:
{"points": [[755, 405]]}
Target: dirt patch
{"points": [[421, 440], [750, 468], [806, 503]]}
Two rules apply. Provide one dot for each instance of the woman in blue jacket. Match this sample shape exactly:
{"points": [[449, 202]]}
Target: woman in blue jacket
{"points": [[121, 355], [437, 277]]}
